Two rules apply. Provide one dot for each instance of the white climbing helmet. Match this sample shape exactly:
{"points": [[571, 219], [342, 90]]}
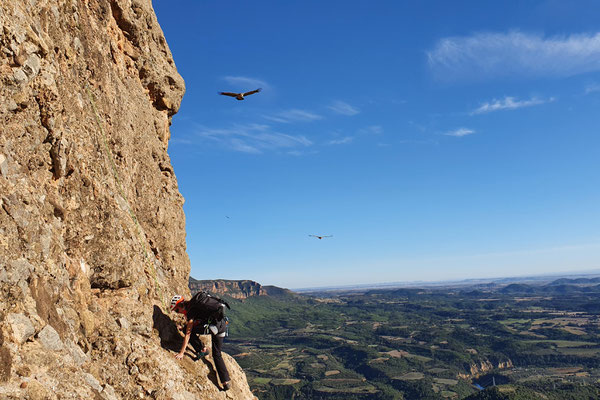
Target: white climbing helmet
{"points": [[176, 300]]}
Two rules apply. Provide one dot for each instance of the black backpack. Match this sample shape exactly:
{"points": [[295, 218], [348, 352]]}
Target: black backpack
{"points": [[207, 307]]}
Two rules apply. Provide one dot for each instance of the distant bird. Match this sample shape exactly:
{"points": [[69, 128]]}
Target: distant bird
{"points": [[240, 96], [320, 237]]}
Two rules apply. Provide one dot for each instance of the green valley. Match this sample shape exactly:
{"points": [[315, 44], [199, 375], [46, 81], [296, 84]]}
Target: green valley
{"points": [[494, 341]]}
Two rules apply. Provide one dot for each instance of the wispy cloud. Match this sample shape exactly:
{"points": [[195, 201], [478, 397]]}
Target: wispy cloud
{"points": [[488, 55], [253, 138], [179, 140], [245, 82], [509, 103], [344, 108], [460, 132], [592, 88], [293, 115], [299, 153], [344, 140], [372, 130], [420, 127], [421, 141]]}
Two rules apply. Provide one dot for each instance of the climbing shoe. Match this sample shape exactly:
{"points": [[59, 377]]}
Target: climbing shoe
{"points": [[202, 354]]}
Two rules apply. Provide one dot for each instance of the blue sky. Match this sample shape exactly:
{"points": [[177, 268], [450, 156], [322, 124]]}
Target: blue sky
{"points": [[434, 140]]}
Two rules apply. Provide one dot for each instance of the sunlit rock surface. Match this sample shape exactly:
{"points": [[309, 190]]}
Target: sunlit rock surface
{"points": [[92, 230], [238, 289]]}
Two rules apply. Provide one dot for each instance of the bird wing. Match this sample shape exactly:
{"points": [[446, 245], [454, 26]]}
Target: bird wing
{"points": [[252, 92], [229, 94]]}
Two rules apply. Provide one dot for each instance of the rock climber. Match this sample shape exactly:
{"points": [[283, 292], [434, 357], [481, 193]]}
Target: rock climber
{"points": [[204, 314]]}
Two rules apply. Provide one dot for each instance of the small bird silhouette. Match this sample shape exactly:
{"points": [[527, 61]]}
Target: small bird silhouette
{"points": [[320, 237], [240, 96]]}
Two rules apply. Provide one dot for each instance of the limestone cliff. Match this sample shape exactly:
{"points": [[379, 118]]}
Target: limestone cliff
{"points": [[240, 289], [482, 367], [92, 230]]}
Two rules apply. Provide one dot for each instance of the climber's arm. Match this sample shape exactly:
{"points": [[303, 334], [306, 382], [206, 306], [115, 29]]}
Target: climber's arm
{"points": [[186, 340]]}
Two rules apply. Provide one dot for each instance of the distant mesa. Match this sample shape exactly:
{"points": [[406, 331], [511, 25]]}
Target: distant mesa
{"points": [[474, 293], [517, 288], [402, 292], [576, 281], [241, 289], [559, 286], [563, 289]]}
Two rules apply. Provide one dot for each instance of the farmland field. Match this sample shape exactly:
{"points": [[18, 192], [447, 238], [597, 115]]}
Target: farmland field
{"points": [[426, 343]]}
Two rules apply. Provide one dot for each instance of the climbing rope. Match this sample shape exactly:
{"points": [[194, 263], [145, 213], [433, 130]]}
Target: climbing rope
{"points": [[124, 196]]}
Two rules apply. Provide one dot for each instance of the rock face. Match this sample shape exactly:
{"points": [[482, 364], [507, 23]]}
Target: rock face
{"points": [[236, 289], [92, 230], [484, 366]]}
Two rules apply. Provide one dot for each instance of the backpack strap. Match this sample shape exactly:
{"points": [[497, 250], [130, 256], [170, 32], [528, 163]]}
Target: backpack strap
{"points": [[222, 302]]}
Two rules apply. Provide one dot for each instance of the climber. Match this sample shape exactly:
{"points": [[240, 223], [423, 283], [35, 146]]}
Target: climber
{"points": [[204, 314]]}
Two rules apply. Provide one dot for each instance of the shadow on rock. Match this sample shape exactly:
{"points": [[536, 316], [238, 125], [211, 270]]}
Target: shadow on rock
{"points": [[170, 338], [212, 373], [198, 343]]}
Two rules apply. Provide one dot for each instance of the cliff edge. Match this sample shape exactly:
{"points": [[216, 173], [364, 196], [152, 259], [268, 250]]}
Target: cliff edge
{"points": [[240, 289], [92, 229]]}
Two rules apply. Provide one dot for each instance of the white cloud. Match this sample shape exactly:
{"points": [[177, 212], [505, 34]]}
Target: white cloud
{"points": [[460, 132], [420, 127], [372, 130], [488, 55], [240, 145], [344, 140], [301, 153], [344, 108], [178, 140], [245, 82], [431, 141], [253, 138], [592, 88], [293, 115], [509, 103]]}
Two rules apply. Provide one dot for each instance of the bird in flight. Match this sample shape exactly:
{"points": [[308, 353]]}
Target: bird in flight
{"points": [[240, 96], [320, 237]]}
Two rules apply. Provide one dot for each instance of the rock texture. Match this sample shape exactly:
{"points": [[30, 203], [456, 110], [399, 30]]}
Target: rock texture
{"points": [[483, 367], [237, 289], [92, 230]]}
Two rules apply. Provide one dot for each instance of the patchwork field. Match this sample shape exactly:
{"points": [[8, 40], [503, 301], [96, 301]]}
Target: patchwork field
{"points": [[442, 343]]}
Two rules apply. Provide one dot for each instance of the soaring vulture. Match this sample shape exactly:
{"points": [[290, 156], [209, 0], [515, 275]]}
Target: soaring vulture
{"points": [[240, 96]]}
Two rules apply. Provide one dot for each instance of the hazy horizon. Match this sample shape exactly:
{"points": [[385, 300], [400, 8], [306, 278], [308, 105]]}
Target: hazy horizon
{"points": [[582, 273]]}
